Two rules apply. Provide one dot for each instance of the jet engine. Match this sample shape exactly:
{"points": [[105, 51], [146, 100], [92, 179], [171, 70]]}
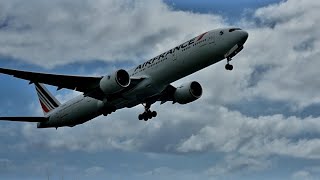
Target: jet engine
{"points": [[187, 93], [115, 82]]}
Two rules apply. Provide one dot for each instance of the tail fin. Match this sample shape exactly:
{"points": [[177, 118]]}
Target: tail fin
{"points": [[47, 101]]}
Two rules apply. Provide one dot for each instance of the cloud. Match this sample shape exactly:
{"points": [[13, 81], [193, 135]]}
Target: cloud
{"points": [[94, 171], [287, 11], [231, 132], [290, 48], [221, 131], [62, 32], [236, 164], [170, 173], [279, 63], [302, 175], [5, 165], [271, 67]]}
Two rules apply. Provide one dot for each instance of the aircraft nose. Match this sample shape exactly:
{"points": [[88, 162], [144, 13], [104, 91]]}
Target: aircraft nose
{"points": [[243, 36]]}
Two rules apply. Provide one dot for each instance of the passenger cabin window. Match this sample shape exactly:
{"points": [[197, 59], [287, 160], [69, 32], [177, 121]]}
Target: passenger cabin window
{"points": [[234, 29]]}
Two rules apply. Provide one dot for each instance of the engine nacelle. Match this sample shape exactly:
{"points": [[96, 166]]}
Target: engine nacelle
{"points": [[187, 93], [116, 82]]}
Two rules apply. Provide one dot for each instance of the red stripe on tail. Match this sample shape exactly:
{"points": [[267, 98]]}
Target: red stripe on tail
{"points": [[44, 108]]}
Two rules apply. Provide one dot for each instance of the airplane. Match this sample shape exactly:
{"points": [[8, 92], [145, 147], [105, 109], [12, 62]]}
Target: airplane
{"points": [[145, 84]]}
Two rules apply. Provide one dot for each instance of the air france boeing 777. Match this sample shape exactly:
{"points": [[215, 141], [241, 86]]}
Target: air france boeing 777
{"points": [[145, 84]]}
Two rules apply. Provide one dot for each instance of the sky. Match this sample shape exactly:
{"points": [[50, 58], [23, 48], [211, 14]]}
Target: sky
{"points": [[259, 121]]}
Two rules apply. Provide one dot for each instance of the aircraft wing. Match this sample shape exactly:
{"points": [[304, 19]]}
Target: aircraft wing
{"points": [[88, 85], [78, 83], [24, 119], [165, 96]]}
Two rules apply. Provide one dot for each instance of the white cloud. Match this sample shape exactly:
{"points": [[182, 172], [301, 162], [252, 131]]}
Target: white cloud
{"points": [[100, 134], [183, 129], [302, 175], [279, 61], [288, 10], [61, 32], [290, 49], [230, 132]]}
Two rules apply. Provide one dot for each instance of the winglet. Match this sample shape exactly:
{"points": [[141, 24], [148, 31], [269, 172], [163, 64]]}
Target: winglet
{"points": [[47, 101]]}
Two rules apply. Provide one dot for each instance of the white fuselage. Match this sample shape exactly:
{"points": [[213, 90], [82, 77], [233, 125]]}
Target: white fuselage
{"points": [[159, 72]]}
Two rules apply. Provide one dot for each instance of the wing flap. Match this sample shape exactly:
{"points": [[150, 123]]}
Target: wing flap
{"points": [[24, 119], [167, 94]]}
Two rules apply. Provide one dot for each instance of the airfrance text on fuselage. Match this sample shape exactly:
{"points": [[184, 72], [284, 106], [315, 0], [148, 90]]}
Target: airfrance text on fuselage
{"points": [[163, 55]]}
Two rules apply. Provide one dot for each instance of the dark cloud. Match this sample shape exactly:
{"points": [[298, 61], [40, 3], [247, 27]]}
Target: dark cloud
{"points": [[258, 73], [305, 45], [4, 23]]}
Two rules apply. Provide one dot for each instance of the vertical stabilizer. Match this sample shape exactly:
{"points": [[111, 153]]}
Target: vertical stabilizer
{"points": [[47, 101]]}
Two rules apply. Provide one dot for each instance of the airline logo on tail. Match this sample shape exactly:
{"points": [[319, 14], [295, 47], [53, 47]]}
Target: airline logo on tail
{"points": [[47, 101]]}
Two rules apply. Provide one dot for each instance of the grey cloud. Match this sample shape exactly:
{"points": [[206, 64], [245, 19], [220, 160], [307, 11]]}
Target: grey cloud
{"points": [[258, 73], [305, 45], [7, 130], [238, 164], [93, 171], [5, 165], [169, 173]]}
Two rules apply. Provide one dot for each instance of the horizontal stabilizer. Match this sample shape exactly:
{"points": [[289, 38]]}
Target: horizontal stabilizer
{"points": [[24, 119]]}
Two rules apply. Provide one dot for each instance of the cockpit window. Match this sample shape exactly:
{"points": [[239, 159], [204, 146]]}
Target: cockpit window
{"points": [[234, 29]]}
